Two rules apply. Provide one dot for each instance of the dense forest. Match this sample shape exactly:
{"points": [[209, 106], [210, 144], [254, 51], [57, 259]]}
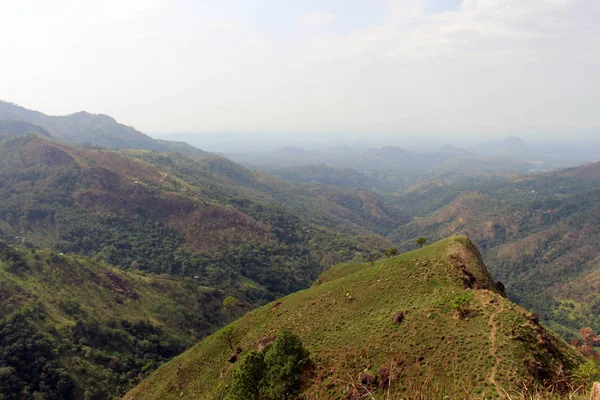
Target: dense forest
{"points": [[71, 327]]}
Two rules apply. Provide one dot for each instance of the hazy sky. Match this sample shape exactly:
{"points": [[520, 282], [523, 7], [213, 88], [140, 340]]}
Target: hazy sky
{"points": [[310, 66]]}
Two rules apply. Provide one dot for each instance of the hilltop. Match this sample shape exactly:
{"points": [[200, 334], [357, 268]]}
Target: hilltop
{"points": [[424, 324], [538, 235], [83, 128]]}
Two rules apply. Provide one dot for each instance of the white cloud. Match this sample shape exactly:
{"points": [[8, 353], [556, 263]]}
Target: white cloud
{"points": [[315, 20], [498, 66]]}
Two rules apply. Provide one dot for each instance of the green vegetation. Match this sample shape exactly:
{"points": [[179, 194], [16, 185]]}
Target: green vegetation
{"points": [[538, 235], [273, 373], [461, 303], [359, 347], [228, 304], [74, 328], [207, 223], [391, 253], [207, 219]]}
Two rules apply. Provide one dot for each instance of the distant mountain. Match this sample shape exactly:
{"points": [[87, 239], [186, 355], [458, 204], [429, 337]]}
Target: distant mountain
{"points": [[511, 146], [145, 207], [13, 127], [427, 324], [325, 175], [456, 151], [388, 151], [585, 171], [83, 128]]}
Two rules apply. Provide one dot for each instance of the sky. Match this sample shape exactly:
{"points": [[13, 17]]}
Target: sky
{"points": [[311, 67]]}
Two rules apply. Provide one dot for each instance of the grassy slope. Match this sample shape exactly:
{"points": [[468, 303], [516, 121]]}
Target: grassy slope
{"points": [[432, 351], [538, 235]]}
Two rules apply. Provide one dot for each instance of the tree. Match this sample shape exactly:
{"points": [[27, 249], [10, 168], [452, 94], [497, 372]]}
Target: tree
{"points": [[228, 335], [371, 257], [272, 374], [247, 377], [228, 304], [391, 253], [421, 241], [284, 361]]}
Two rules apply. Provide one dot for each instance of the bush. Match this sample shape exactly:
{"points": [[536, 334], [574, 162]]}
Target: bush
{"points": [[461, 302], [587, 373], [284, 362], [274, 374], [247, 377]]}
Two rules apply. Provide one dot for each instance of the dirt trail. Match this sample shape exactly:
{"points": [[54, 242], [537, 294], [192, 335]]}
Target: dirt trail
{"points": [[493, 330]]}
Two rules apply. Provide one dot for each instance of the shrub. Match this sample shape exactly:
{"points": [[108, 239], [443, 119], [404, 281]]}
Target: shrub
{"points": [[247, 377], [273, 374], [586, 373], [284, 362], [461, 302]]}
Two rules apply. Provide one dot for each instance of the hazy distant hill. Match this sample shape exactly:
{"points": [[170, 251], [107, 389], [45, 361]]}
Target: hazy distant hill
{"points": [[93, 129], [512, 146], [585, 171], [386, 169], [13, 127]]}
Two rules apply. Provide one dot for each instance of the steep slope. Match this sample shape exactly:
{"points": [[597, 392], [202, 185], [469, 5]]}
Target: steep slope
{"points": [[73, 328], [20, 128], [184, 216], [84, 128], [537, 233], [457, 336], [591, 171]]}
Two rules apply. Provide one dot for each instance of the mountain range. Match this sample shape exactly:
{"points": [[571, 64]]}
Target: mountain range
{"points": [[163, 233]]}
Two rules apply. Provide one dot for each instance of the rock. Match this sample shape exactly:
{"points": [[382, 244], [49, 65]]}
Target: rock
{"points": [[368, 379], [264, 342], [595, 391], [398, 318], [233, 358]]}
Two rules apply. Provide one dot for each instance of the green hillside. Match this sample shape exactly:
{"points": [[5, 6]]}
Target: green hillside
{"points": [[74, 328], [538, 235], [457, 337], [167, 213]]}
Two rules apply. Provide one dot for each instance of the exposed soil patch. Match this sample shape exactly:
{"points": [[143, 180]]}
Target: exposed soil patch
{"points": [[119, 284], [41, 152], [264, 342], [215, 227]]}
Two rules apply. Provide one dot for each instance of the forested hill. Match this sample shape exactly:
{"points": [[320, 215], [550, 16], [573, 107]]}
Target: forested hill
{"points": [[74, 328], [184, 216], [539, 235], [201, 228], [83, 128]]}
